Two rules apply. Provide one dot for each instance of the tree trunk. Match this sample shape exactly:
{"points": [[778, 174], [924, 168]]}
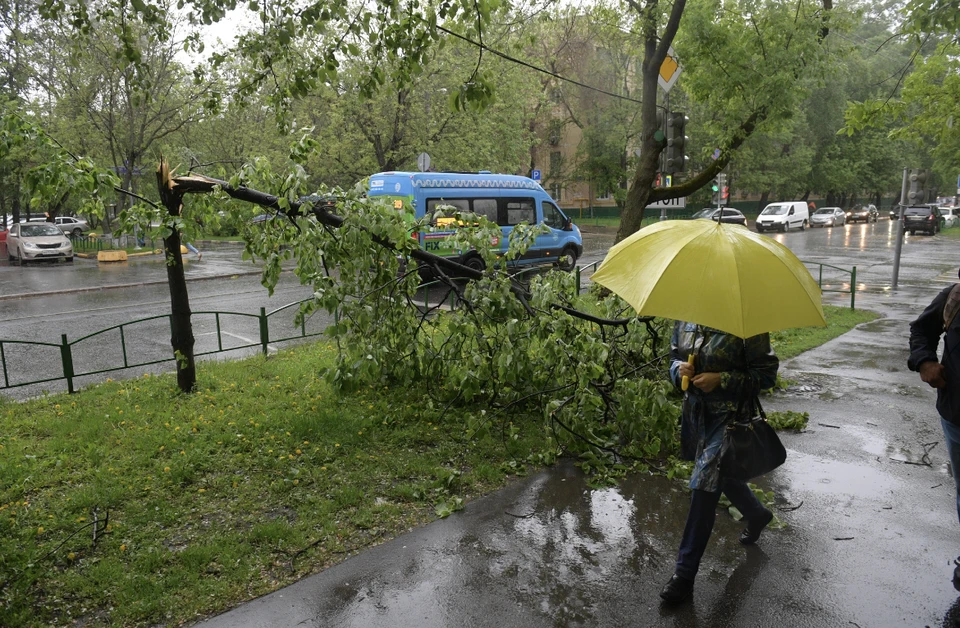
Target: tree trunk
{"points": [[764, 198], [181, 326], [16, 205]]}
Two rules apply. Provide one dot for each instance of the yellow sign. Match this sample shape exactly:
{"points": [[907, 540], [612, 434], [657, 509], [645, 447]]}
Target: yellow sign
{"points": [[669, 71]]}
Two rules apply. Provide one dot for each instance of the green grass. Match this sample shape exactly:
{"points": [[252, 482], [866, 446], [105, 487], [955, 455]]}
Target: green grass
{"points": [[210, 496], [840, 320], [262, 476], [952, 232]]}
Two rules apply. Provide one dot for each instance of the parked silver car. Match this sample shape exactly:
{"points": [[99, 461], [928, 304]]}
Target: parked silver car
{"points": [[30, 241], [68, 224], [72, 226], [828, 217]]}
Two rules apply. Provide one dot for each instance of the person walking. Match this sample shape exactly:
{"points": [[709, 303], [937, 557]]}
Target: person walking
{"points": [[940, 319], [193, 250], [726, 374]]}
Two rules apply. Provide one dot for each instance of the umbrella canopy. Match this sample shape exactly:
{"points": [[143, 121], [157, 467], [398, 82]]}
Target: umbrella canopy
{"points": [[721, 276]]}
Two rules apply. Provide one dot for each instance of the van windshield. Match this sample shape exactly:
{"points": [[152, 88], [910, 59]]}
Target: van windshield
{"points": [[775, 210]]}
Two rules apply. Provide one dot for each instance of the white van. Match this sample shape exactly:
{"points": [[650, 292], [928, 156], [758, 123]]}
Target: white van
{"points": [[783, 216]]}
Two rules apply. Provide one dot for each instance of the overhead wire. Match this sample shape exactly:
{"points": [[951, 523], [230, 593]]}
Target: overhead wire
{"points": [[560, 77]]}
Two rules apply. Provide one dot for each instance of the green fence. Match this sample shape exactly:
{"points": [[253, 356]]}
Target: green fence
{"points": [[32, 350], [851, 279], [87, 244]]}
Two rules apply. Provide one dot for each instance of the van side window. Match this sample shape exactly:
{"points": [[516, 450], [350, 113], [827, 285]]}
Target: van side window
{"points": [[462, 205], [521, 210], [553, 217], [486, 207]]}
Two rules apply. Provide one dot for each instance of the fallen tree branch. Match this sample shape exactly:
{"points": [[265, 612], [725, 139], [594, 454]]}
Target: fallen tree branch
{"points": [[199, 184]]}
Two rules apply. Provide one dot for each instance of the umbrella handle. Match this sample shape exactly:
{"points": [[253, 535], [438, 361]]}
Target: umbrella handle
{"points": [[685, 381]]}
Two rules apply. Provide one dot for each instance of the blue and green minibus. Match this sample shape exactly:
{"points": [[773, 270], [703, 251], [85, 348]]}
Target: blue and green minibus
{"points": [[504, 199]]}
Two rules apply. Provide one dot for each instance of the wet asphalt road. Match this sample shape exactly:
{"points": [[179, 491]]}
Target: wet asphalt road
{"points": [[871, 522], [871, 526], [39, 302]]}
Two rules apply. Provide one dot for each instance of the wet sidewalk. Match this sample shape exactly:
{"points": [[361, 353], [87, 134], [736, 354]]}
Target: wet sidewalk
{"points": [[866, 495]]}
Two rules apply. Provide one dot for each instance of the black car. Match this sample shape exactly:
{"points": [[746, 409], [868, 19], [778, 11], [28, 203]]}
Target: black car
{"points": [[729, 215], [926, 219]]}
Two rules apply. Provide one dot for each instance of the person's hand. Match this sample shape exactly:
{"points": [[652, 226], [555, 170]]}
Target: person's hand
{"points": [[933, 373], [686, 370], [707, 382]]}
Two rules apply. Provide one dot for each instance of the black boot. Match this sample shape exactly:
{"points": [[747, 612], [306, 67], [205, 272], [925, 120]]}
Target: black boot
{"points": [[752, 532], [677, 589]]}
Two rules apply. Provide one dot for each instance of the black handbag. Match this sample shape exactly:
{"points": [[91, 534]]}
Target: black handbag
{"points": [[750, 448]]}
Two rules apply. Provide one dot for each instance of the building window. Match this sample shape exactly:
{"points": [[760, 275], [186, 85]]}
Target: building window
{"points": [[556, 160], [556, 192]]}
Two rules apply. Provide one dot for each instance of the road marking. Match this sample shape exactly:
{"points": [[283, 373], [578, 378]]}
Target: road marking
{"points": [[251, 341]]}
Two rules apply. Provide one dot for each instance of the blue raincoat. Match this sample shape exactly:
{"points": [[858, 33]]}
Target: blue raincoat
{"points": [[745, 366]]}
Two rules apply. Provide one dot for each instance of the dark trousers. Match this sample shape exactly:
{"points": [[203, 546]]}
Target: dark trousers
{"points": [[703, 513]]}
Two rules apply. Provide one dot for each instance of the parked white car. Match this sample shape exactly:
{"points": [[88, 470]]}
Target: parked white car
{"points": [[951, 217], [30, 241]]}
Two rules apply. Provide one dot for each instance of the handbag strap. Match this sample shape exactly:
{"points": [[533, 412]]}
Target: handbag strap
{"points": [[756, 402]]}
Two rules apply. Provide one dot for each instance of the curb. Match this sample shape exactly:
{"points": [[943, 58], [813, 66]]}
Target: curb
{"points": [[94, 255]]}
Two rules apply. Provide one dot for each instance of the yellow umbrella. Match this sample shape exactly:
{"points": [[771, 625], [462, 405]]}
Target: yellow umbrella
{"points": [[721, 276]]}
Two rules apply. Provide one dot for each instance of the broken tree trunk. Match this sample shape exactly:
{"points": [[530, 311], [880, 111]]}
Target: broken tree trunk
{"points": [[181, 327]]}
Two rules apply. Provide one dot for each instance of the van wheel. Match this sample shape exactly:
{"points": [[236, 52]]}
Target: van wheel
{"points": [[783, 228], [568, 260], [475, 263], [803, 225]]}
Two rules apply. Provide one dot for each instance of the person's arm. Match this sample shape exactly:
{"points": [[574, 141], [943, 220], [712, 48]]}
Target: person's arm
{"points": [[925, 332], [925, 335], [675, 358]]}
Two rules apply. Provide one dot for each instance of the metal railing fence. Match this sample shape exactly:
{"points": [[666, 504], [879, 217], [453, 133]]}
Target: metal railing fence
{"points": [[118, 358]]}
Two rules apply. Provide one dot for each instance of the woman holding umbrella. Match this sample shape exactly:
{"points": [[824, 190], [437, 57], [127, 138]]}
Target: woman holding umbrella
{"points": [[734, 287], [725, 375]]}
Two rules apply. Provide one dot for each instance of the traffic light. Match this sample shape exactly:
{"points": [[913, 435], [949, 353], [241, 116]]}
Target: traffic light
{"points": [[917, 186], [720, 189], [674, 159]]}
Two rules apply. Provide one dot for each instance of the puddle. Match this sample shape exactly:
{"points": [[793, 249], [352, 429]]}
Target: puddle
{"points": [[871, 441], [817, 475]]}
